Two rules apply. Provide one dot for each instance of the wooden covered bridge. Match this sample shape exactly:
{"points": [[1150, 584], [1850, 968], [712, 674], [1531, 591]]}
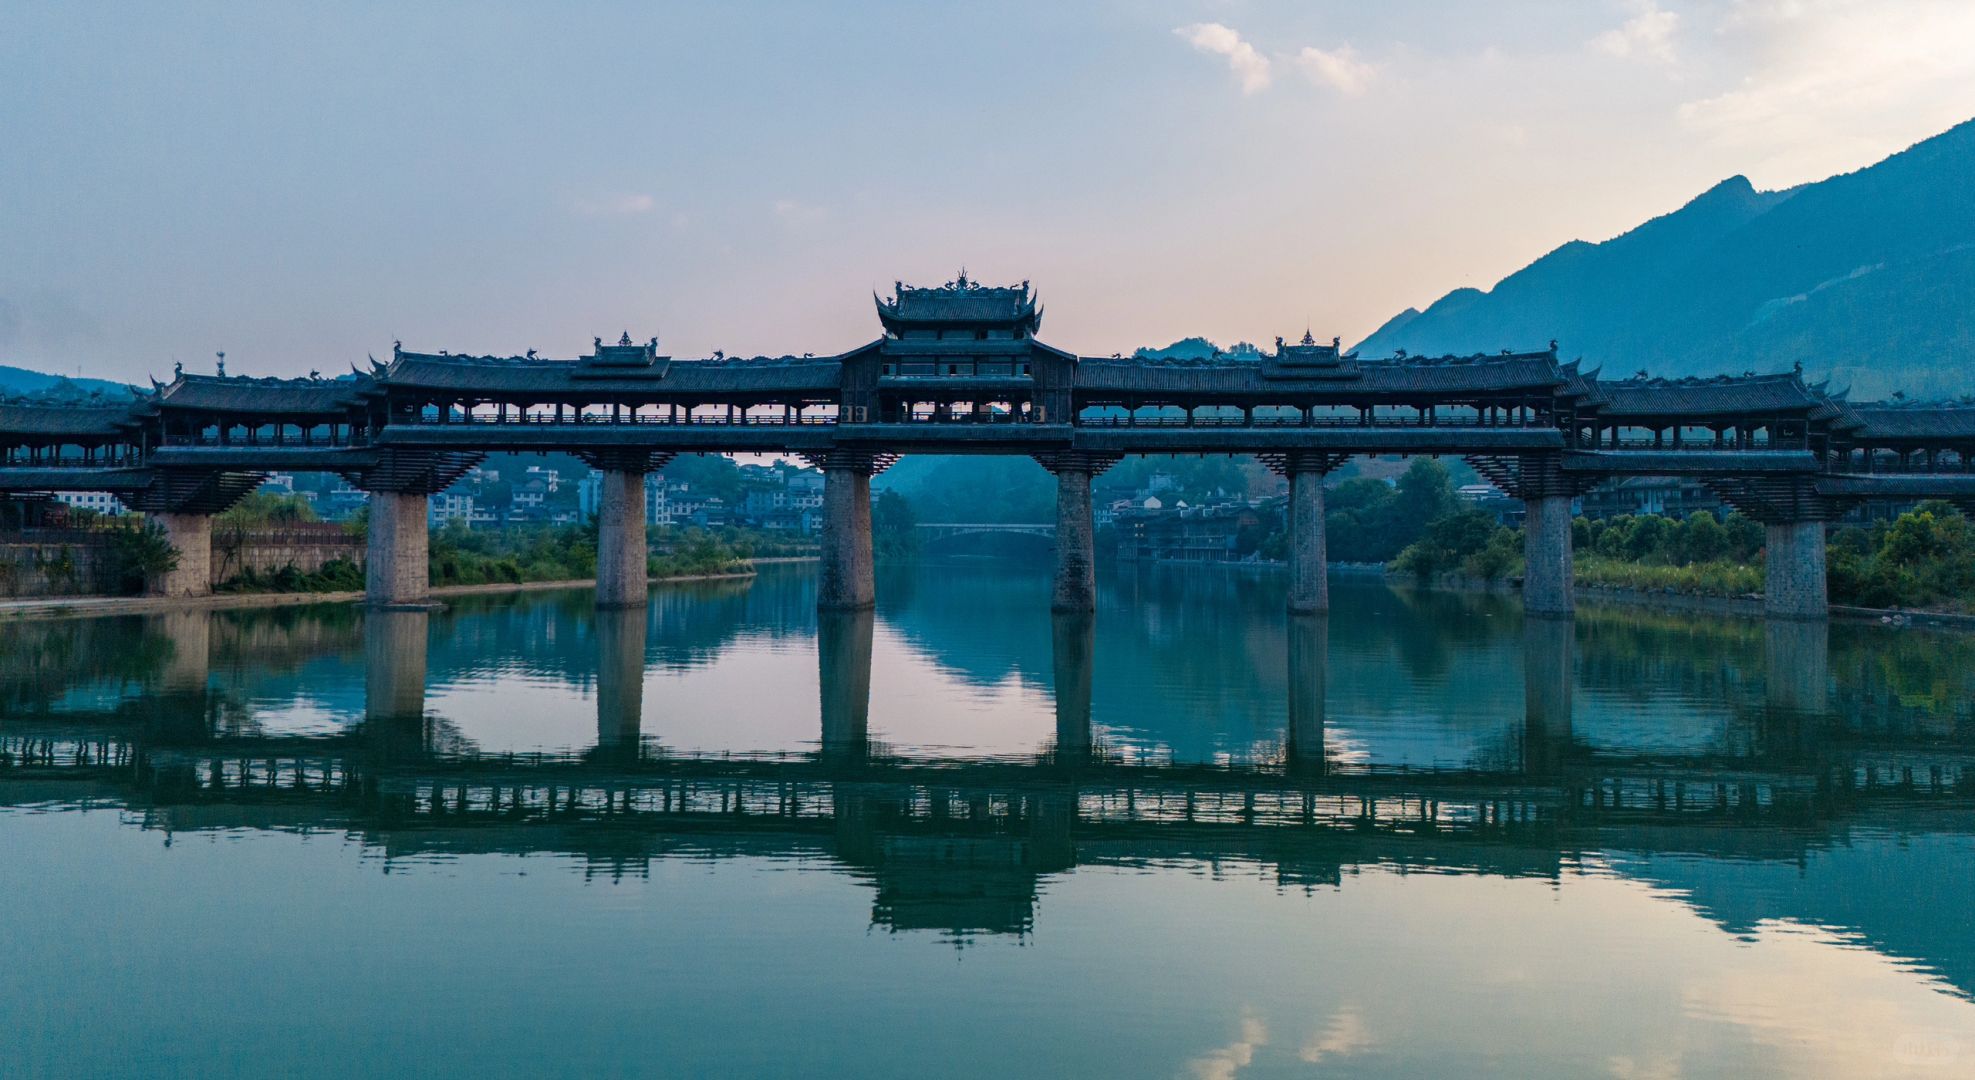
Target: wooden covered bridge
{"points": [[958, 369]]}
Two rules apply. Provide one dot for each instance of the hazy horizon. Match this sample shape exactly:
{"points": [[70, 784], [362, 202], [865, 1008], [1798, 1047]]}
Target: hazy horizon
{"points": [[301, 188]]}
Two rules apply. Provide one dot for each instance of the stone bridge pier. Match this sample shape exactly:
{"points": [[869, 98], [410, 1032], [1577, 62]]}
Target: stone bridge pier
{"points": [[1309, 584], [1075, 589], [1794, 571], [846, 578], [623, 550], [191, 535]]}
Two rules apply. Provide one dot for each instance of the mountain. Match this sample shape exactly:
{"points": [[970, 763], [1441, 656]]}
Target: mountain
{"points": [[1868, 278], [15, 380]]}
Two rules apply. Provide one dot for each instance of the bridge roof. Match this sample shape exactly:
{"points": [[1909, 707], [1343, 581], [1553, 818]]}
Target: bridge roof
{"points": [[242, 394], [1723, 395], [498, 375], [1918, 420], [1393, 376], [960, 303], [102, 421]]}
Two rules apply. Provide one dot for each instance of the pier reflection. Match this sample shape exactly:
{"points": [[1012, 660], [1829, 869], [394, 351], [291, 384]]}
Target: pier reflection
{"points": [[1694, 747], [843, 668], [621, 637], [1309, 662]]}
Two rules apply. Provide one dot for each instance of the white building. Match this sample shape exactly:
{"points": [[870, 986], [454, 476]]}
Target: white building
{"points": [[100, 502]]}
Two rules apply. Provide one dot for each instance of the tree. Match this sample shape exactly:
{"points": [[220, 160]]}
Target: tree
{"points": [[894, 527]]}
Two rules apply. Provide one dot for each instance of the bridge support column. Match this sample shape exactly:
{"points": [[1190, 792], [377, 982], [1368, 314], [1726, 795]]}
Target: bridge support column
{"points": [[846, 581], [1076, 538], [1076, 532], [396, 574], [1547, 573], [1309, 588], [1794, 583], [191, 535], [623, 556]]}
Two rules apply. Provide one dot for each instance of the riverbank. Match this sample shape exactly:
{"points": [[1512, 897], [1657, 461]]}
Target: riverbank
{"points": [[67, 607]]}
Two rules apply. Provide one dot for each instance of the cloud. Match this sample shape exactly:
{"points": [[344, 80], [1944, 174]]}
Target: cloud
{"points": [[1223, 1063], [1339, 68], [1832, 81], [616, 205], [1647, 34], [1251, 67], [1344, 1036]]}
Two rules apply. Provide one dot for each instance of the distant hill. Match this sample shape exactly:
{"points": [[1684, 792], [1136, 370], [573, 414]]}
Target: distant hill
{"points": [[15, 380], [1868, 278]]}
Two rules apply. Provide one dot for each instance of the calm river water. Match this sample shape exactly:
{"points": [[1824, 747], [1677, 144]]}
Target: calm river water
{"points": [[1190, 837]]}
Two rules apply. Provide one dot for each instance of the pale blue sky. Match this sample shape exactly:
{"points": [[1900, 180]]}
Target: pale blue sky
{"points": [[299, 184]]}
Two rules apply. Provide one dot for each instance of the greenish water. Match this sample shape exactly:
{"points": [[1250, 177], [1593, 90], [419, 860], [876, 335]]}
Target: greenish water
{"points": [[1189, 837]]}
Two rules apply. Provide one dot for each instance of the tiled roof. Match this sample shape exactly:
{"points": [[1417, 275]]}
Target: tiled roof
{"points": [[960, 302], [1918, 420], [72, 420], [292, 397], [1722, 395], [1390, 376], [523, 375]]}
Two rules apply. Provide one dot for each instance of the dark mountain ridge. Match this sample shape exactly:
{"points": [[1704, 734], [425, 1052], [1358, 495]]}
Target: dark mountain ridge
{"points": [[1867, 277]]}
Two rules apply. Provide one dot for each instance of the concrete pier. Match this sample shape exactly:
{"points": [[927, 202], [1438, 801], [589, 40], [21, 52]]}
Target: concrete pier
{"points": [[623, 557], [845, 579], [843, 671], [1794, 582], [192, 536], [394, 651], [1073, 646], [1076, 568], [1309, 590], [1796, 657], [1309, 670], [621, 633], [1549, 671], [396, 574], [1547, 573]]}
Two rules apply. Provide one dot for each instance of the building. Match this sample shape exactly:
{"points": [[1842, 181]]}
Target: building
{"points": [[97, 501], [450, 506], [1223, 532], [1673, 496]]}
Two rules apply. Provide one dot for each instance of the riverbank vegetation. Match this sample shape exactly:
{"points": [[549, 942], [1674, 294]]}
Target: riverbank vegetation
{"points": [[1924, 558]]}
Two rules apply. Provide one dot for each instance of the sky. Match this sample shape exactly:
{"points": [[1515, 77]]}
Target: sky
{"points": [[301, 185]]}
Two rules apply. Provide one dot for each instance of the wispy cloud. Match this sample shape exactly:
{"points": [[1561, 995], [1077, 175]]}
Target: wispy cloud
{"points": [[1248, 65], [1224, 1062], [1339, 68], [616, 205], [1648, 34], [1344, 1036], [1828, 74]]}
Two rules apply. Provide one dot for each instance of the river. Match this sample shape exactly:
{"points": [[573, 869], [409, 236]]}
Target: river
{"points": [[1187, 837]]}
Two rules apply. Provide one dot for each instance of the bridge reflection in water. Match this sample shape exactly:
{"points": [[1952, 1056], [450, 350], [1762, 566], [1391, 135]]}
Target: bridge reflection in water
{"points": [[168, 718]]}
